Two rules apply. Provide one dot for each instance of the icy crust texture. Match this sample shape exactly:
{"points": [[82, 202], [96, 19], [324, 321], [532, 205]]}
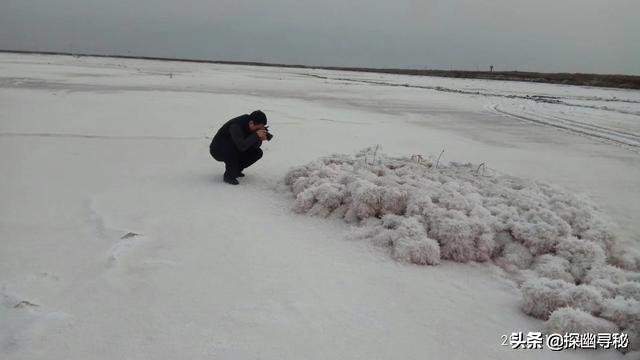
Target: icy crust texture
{"points": [[559, 246]]}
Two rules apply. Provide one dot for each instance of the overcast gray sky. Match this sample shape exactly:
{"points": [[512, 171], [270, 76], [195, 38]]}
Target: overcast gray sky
{"points": [[539, 35]]}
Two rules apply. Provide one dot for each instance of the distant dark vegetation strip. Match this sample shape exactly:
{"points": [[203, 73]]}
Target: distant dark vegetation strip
{"points": [[599, 80]]}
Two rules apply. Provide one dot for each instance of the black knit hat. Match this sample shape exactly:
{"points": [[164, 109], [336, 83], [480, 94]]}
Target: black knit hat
{"points": [[258, 117]]}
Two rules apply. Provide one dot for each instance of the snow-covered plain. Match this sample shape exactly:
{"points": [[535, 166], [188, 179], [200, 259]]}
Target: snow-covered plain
{"points": [[118, 238]]}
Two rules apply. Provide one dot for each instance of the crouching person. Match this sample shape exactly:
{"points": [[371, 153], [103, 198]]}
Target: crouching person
{"points": [[237, 144]]}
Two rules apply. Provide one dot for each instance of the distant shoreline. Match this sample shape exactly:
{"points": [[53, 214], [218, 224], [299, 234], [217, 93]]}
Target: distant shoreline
{"points": [[578, 79]]}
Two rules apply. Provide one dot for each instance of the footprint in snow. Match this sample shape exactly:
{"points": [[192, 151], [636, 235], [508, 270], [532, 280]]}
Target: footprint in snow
{"points": [[135, 252]]}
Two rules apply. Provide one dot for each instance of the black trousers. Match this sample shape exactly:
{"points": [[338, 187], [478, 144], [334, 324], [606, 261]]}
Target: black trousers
{"points": [[234, 160]]}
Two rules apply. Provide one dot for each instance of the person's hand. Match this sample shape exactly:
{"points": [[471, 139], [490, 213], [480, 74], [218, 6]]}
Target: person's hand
{"points": [[262, 134]]}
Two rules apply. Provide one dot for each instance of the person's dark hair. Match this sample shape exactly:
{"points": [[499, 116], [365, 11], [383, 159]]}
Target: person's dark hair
{"points": [[258, 117]]}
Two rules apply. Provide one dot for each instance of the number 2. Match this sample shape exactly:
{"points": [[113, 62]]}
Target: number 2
{"points": [[504, 340]]}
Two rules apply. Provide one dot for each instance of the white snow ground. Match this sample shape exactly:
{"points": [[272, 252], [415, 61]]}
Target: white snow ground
{"points": [[92, 149]]}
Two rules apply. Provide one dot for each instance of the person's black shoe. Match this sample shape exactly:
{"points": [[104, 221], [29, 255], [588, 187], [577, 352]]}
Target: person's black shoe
{"points": [[230, 180], [241, 175]]}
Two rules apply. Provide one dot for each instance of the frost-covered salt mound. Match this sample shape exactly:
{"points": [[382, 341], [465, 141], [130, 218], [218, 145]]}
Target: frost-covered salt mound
{"points": [[559, 246]]}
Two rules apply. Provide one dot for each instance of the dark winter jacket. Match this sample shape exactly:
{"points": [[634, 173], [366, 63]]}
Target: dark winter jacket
{"points": [[235, 132]]}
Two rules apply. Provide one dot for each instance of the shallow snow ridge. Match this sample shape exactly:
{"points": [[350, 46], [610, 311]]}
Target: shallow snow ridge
{"points": [[559, 246]]}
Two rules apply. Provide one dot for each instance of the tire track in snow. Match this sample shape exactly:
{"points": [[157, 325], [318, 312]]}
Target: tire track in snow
{"points": [[537, 98], [628, 140]]}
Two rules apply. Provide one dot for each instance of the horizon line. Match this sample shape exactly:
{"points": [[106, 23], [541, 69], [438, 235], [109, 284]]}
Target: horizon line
{"points": [[602, 80]]}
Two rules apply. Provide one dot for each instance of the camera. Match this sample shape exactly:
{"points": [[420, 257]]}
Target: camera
{"points": [[269, 135]]}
